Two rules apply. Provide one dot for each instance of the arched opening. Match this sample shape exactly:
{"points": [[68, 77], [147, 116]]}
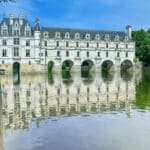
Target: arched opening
{"points": [[86, 67], [67, 65], [108, 65], [50, 67], [126, 65], [16, 73]]}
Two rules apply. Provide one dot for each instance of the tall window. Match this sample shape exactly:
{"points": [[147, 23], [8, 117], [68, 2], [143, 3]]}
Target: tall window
{"points": [[45, 43], [57, 43], [87, 54], [27, 33], [16, 41], [117, 46], [98, 54], [97, 44], [78, 54], [126, 54], [126, 45], [4, 42], [118, 54], [4, 53], [106, 54], [106, 45], [16, 51], [58, 53], [27, 53], [87, 44], [27, 43], [67, 53], [67, 44], [77, 44]]}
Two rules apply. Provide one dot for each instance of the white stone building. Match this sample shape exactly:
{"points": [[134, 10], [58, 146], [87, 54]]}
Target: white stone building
{"points": [[31, 48]]}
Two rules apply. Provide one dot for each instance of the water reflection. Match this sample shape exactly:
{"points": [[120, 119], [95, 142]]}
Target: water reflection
{"points": [[39, 97]]}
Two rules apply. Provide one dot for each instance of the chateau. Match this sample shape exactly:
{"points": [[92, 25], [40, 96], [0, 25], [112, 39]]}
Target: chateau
{"points": [[32, 48]]}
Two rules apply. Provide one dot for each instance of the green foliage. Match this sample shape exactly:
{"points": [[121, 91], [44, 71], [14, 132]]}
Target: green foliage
{"points": [[142, 39], [135, 60]]}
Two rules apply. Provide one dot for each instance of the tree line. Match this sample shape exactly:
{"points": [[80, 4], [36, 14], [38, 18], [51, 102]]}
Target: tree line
{"points": [[142, 41]]}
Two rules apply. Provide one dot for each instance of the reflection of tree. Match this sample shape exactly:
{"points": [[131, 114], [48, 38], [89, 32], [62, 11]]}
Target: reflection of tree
{"points": [[143, 93]]}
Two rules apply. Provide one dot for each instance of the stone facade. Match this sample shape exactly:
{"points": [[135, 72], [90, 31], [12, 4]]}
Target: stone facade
{"points": [[34, 47]]}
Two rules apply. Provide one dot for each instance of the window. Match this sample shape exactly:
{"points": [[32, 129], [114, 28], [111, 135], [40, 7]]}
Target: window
{"points": [[58, 53], [87, 45], [27, 33], [118, 54], [97, 37], [106, 54], [78, 54], [67, 53], [46, 53], [4, 53], [127, 46], [4, 32], [16, 51], [27, 43], [87, 54], [57, 34], [87, 36], [106, 45], [77, 36], [97, 44], [16, 41], [77, 44], [4, 42], [126, 54], [16, 32], [67, 44], [98, 54], [57, 43], [45, 43], [27, 53], [117, 46]]}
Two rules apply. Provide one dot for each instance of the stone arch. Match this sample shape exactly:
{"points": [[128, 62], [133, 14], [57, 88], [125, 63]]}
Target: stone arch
{"points": [[67, 65], [108, 65], [50, 67], [87, 65], [16, 72], [126, 65]]}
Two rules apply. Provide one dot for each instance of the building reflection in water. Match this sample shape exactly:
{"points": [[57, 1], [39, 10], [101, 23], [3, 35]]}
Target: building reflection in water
{"points": [[38, 97]]}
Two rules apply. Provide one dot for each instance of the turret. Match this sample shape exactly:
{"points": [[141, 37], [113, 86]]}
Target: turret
{"points": [[129, 31]]}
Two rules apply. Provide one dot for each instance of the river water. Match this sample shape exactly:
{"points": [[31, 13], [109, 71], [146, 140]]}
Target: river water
{"points": [[97, 112]]}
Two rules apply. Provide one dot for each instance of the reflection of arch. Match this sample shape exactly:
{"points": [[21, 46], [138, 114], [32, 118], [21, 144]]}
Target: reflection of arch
{"points": [[16, 73], [107, 76], [87, 65], [50, 67], [67, 65], [126, 65], [107, 65]]}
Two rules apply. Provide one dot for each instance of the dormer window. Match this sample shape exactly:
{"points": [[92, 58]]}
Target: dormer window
{"points": [[106, 37], [97, 37], [45, 34], [117, 38], [4, 32], [87, 36], [16, 32], [27, 33], [57, 35], [67, 35], [77, 36], [16, 24]]}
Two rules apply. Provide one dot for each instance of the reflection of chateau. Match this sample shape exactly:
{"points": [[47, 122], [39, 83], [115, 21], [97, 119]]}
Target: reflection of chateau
{"points": [[35, 97], [32, 47]]}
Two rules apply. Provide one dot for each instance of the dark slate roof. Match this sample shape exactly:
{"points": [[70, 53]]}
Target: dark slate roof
{"points": [[83, 32], [22, 27]]}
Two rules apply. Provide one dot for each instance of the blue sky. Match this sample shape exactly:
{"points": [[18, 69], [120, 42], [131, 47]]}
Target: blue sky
{"points": [[92, 14]]}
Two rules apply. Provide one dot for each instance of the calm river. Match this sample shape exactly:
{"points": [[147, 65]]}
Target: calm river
{"points": [[97, 112]]}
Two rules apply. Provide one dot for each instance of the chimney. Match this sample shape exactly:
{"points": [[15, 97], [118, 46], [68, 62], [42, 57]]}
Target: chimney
{"points": [[129, 31], [11, 17], [21, 19]]}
